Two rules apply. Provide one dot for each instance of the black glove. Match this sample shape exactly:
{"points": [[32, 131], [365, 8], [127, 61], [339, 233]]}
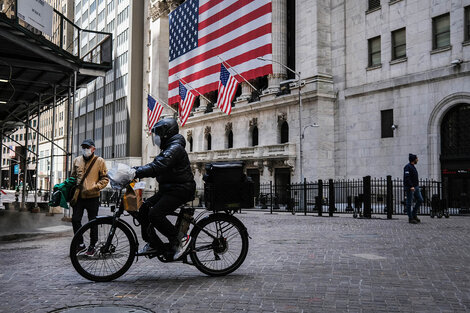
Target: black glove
{"points": [[137, 171]]}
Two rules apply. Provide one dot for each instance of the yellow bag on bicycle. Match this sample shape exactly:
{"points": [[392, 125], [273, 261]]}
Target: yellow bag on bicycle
{"points": [[132, 199]]}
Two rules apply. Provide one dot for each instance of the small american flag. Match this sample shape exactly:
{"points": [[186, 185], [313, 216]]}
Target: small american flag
{"points": [[186, 103], [227, 88], [154, 110], [238, 31]]}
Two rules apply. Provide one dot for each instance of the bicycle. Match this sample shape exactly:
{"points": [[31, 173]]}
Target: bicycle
{"points": [[219, 243]]}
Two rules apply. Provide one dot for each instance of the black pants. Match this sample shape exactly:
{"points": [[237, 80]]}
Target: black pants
{"points": [[91, 206], [153, 214]]}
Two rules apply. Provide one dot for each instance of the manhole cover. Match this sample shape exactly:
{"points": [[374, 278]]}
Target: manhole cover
{"points": [[103, 309]]}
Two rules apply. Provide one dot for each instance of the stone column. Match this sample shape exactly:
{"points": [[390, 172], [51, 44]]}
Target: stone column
{"points": [[279, 44], [202, 107], [246, 92]]}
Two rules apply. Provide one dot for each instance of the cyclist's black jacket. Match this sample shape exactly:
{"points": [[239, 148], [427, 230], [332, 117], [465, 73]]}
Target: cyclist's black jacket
{"points": [[172, 169]]}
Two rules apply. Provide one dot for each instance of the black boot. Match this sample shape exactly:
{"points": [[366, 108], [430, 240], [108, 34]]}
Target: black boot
{"points": [[417, 219], [412, 221]]}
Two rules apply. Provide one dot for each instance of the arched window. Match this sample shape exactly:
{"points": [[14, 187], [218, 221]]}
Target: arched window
{"points": [[284, 132], [209, 142], [230, 139], [254, 136]]}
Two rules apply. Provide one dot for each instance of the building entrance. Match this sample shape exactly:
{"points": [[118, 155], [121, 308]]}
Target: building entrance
{"points": [[455, 156]]}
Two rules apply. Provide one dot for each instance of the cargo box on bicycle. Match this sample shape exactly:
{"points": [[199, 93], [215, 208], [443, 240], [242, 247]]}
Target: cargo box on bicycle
{"points": [[226, 187]]}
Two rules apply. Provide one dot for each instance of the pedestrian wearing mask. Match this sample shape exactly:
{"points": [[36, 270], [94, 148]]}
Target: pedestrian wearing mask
{"points": [[91, 174]]}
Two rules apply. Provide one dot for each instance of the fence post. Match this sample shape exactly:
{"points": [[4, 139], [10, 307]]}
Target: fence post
{"points": [[389, 197], [305, 196], [367, 197], [319, 200], [271, 194], [331, 197]]}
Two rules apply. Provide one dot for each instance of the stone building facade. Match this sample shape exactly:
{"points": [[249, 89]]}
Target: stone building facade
{"points": [[377, 77]]}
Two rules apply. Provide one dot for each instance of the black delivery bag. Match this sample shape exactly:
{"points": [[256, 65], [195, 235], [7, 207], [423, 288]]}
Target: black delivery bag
{"points": [[226, 187]]}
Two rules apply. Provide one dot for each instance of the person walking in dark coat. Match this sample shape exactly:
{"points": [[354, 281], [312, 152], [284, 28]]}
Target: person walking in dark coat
{"points": [[412, 191], [173, 172]]}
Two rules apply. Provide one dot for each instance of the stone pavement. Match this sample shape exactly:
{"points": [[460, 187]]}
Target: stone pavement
{"points": [[294, 264]]}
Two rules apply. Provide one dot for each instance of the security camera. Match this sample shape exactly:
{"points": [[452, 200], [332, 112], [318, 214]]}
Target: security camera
{"points": [[394, 126], [456, 62]]}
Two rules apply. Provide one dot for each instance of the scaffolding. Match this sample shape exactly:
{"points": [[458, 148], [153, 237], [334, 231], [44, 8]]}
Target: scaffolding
{"points": [[37, 71]]}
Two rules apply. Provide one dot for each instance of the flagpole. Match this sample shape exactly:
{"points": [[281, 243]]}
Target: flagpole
{"points": [[194, 89], [223, 61], [162, 102]]}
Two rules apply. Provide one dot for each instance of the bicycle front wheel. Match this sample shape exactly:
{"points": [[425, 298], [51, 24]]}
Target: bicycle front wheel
{"points": [[219, 244], [100, 264]]}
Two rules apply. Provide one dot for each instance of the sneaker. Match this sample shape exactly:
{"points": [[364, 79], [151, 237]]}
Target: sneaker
{"points": [[182, 247], [81, 247], [91, 251], [417, 219], [148, 249], [412, 221]]}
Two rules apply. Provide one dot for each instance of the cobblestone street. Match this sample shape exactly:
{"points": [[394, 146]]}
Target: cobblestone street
{"points": [[294, 264]]}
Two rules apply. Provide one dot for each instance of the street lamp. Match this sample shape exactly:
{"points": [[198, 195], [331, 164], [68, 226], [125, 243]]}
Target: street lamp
{"points": [[300, 112]]}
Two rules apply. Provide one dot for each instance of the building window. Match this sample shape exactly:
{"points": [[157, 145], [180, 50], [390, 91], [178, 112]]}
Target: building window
{"points": [[190, 140], [284, 132], [387, 122], [254, 136], [373, 4], [230, 139], [467, 24], [209, 142], [399, 44], [374, 51], [441, 31]]}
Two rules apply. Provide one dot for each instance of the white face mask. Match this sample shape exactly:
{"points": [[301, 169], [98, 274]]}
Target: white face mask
{"points": [[86, 152], [157, 140]]}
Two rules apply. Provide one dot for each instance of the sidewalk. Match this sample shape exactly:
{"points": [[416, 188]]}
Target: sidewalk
{"points": [[17, 225]]}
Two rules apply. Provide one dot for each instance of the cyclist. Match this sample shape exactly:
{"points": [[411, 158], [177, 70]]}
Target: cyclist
{"points": [[173, 172]]}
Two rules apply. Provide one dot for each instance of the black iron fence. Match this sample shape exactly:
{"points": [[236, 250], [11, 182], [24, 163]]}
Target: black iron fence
{"points": [[358, 196], [361, 197]]}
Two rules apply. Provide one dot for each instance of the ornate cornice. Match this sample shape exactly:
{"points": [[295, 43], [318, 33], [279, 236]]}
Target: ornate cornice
{"points": [[282, 117], [189, 133], [158, 8], [254, 122], [207, 130], [228, 127]]}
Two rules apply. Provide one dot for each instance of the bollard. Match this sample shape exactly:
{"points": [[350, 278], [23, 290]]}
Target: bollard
{"points": [[349, 208], [305, 196], [389, 197], [331, 202], [319, 202], [367, 197]]}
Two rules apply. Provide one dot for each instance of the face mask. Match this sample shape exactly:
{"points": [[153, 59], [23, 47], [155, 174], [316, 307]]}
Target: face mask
{"points": [[86, 152], [156, 140]]}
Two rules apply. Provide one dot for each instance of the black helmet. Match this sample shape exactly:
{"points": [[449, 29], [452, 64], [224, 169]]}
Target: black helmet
{"points": [[166, 128]]}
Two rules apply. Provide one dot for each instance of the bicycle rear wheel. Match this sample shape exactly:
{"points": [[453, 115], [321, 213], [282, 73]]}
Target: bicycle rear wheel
{"points": [[103, 265], [219, 244]]}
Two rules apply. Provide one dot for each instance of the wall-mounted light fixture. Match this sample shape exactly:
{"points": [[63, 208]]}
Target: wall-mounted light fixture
{"points": [[394, 126]]}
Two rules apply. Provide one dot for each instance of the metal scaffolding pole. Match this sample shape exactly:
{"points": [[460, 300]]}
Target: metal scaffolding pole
{"points": [[51, 179], [67, 128], [25, 163], [37, 159]]}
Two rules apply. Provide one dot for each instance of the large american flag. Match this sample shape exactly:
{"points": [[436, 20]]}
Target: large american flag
{"points": [[238, 31], [227, 88], [154, 110], [186, 100]]}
